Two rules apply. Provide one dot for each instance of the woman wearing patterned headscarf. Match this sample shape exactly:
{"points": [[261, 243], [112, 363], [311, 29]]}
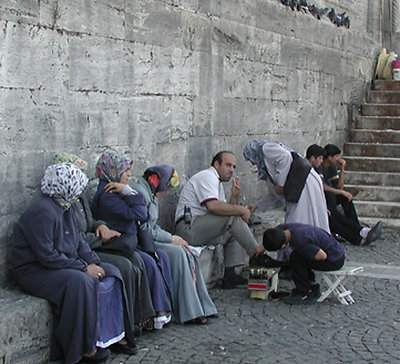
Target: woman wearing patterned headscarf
{"points": [[273, 161], [123, 209], [192, 304], [104, 241], [51, 260]]}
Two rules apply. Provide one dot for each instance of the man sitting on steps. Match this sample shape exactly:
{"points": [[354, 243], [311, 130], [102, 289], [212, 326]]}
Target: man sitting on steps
{"points": [[344, 226]]}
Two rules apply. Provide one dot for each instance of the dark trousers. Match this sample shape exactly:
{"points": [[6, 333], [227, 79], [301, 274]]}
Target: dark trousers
{"points": [[349, 210], [345, 227], [302, 270]]}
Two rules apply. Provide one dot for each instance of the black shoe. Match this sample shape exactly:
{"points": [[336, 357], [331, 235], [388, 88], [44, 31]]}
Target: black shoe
{"points": [[339, 238], [313, 295], [124, 349], [232, 280], [296, 298], [373, 234], [265, 261], [100, 356], [276, 296]]}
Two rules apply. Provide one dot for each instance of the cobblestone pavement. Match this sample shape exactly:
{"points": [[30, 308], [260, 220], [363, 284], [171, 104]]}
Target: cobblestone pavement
{"points": [[256, 331]]}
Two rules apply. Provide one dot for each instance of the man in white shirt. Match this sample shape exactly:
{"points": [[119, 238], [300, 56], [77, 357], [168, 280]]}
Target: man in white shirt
{"points": [[204, 217]]}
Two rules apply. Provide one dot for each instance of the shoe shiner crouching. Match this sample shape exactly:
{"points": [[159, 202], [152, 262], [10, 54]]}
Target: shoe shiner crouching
{"points": [[313, 249]]}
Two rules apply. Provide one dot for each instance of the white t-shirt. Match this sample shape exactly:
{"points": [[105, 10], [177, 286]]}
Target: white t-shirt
{"points": [[202, 187]]}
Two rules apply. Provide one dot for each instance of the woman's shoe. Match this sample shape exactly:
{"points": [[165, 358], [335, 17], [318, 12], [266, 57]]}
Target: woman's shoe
{"points": [[202, 320], [124, 348], [100, 356]]}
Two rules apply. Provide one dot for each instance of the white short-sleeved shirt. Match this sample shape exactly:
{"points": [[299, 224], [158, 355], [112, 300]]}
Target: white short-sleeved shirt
{"points": [[202, 187]]}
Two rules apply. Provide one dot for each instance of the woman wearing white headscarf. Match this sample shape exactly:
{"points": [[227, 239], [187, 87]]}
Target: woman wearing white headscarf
{"points": [[51, 260]]}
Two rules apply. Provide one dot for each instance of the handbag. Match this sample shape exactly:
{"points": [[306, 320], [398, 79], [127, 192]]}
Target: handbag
{"points": [[124, 245], [296, 178], [145, 240]]}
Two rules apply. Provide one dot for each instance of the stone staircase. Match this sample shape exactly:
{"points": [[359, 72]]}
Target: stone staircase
{"points": [[373, 156]]}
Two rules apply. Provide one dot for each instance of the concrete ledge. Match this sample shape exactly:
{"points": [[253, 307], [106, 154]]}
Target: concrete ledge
{"points": [[25, 323]]}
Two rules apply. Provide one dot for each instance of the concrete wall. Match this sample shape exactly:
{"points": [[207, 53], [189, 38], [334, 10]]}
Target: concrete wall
{"points": [[171, 81]]}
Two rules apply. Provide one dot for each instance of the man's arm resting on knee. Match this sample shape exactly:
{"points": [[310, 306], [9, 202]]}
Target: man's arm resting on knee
{"points": [[221, 208]]}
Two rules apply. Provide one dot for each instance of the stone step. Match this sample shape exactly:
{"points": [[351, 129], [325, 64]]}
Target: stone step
{"points": [[374, 193], [383, 97], [376, 164], [385, 85], [388, 224], [372, 178], [377, 122], [372, 149], [380, 109], [375, 136], [377, 209]]}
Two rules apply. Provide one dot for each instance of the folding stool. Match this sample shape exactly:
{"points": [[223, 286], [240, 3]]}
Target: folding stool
{"points": [[335, 281]]}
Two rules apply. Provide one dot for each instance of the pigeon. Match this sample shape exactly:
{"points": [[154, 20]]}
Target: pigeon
{"points": [[347, 22], [293, 4], [302, 5], [332, 15]]}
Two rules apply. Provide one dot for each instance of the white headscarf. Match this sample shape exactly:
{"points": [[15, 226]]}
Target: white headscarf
{"points": [[64, 182]]}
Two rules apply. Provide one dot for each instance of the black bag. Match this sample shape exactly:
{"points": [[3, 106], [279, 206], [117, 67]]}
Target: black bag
{"points": [[296, 178], [145, 240], [124, 245]]}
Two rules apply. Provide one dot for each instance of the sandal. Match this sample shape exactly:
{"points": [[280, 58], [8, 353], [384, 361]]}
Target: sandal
{"points": [[202, 320]]}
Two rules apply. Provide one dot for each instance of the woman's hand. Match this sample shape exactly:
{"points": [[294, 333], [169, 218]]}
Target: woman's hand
{"points": [[177, 240], [105, 233], [95, 271], [114, 187], [279, 189]]}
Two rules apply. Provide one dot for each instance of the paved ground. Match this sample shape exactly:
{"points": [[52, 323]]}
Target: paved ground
{"points": [[254, 331]]}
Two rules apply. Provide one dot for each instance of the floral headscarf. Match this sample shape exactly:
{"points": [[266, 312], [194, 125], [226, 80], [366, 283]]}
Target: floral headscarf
{"points": [[112, 165], [64, 182], [253, 152], [63, 157], [161, 178]]}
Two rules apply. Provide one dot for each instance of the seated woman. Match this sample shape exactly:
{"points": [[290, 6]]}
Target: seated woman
{"points": [[102, 239], [123, 209], [192, 304], [51, 260]]}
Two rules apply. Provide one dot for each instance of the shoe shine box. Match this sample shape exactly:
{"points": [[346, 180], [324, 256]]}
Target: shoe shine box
{"points": [[259, 283]]}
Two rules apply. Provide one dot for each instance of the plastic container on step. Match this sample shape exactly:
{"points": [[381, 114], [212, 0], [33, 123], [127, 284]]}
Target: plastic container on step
{"points": [[396, 70]]}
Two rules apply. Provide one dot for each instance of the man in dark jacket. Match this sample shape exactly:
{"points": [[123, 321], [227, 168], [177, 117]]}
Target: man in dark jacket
{"points": [[312, 249]]}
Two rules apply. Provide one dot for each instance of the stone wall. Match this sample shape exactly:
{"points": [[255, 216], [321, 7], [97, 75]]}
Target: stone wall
{"points": [[171, 81]]}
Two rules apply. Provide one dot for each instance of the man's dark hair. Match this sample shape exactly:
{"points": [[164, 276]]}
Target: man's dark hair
{"points": [[273, 239], [331, 150], [218, 157], [315, 151]]}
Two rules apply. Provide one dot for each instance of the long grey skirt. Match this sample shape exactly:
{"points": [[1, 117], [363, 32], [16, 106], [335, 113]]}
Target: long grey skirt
{"points": [[190, 298]]}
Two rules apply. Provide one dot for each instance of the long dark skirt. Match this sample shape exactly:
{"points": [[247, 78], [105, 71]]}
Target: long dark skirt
{"points": [[73, 297], [160, 279], [136, 284]]}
